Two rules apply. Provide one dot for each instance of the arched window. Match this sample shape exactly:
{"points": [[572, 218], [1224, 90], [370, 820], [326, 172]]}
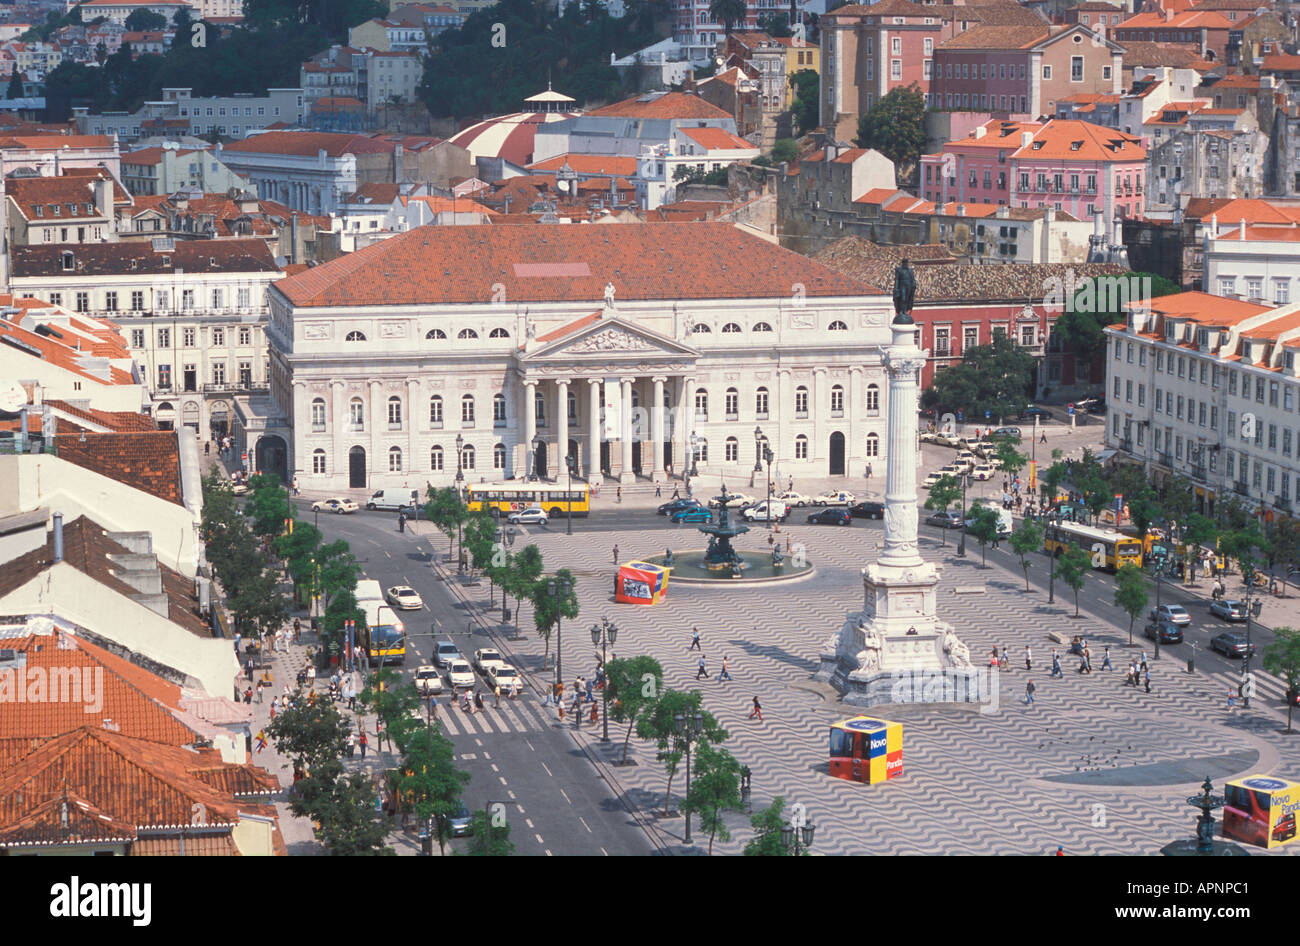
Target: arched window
{"points": [[700, 329], [467, 409], [762, 327], [394, 459], [355, 337], [499, 457], [435, 458], [498, 333], [435, 334], [435, 412], [873, 445], [873, 399], [467, 457], [837, 326], [837, 400], [357, 414], [467, 333], [801, 447], [760, 403], [732, 449], [318, 414], [801, 402], [498, 410], [733, 404], [318, 461], [394, 413], [730, 328]]}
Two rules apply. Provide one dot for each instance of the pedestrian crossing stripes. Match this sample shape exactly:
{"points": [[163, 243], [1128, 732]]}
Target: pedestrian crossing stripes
{"points": [[512, 716], [1267, 687]]}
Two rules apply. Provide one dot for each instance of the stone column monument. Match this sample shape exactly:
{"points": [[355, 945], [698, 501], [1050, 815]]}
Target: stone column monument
{"points": [[896, 650]]}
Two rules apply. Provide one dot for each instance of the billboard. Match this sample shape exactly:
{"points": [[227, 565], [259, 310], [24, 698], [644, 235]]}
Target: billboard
{"points": [[641, 583], [1261, 810], [866, 749]]}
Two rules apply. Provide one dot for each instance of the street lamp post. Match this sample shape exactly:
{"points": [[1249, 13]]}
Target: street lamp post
{"points": [[460, 479], [688, 729], [746, 789], [557, 589], [602, 634], [768, 456], [1158, 562], [694, 469], [791, 836], [961, 541], [758, 450], [569, 461], [1253, 608]]}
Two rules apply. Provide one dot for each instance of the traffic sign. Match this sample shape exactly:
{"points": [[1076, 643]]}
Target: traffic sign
{"points": [[1070, 410], [988, 414]]}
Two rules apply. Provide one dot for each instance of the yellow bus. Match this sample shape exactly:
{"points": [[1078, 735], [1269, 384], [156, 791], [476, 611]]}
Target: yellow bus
{"points": [[501, 499], [1107, 548], [383, 638]]}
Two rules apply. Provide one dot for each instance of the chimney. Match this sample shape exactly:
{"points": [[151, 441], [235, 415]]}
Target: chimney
{"points": [[980, 132], [1241, 234], [1169, 15], [1026, 139], [961, 210], [104, 196], [1214, 226], [58, 536]]}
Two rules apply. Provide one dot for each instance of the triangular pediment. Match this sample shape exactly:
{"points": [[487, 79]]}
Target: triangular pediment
{"points": [[611, 337]]}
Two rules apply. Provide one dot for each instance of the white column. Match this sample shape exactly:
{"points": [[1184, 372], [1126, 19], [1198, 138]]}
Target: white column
{"points": [[593, 430], [820, 406], [855, 428], [299, 456], [530, 426], [410, 419], [904, 360], [340, 438], [685, 422], [657, 430], [625, 418], [562, 425], [378, 460]]}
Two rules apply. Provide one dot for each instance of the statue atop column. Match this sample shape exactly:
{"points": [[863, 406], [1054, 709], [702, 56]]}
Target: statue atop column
{"points": [[904, 293]]}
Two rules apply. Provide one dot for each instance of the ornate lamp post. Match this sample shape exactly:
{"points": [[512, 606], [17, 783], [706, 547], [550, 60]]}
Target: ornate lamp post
{"points": [[1253, 608], [688, 730], [557, 589], [694, 467], [746, 790], [603, 634], [1158, 557], [961, 541], [791, 836], [570, 461], [768, 457], [460, 479], [758, 450]]}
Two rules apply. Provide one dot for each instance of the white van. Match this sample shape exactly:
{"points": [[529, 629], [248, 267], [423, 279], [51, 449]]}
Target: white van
{"points": [[392, 499], [369, 590], [759, 512]]}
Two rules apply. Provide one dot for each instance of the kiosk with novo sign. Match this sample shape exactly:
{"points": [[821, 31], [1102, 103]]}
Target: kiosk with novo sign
{"points": [[1261, 810], [865, 749]]}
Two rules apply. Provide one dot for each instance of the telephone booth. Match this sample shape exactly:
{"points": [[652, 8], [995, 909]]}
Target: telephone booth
{"points": [[864, 749]]}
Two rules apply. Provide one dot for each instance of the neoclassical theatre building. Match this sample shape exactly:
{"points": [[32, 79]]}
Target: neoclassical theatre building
{"points": [[535, 341]]}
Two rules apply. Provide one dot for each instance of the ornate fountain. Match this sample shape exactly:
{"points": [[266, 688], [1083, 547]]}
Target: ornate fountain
{"points": [[720, 556]]}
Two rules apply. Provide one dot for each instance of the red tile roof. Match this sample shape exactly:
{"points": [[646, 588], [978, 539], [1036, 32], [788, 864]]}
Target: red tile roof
{"points": [[57, 352], [114, 420], [669, 261], [66, 198], [188, 256], [621, 165], [998, 37], [148, 460], [308, 143], [1062, 139], [662, 105], [717, 139]]}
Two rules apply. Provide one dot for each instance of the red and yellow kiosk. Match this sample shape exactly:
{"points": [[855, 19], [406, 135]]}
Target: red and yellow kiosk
{"points": [[865, 749], [1261, 810], [641, 583]]}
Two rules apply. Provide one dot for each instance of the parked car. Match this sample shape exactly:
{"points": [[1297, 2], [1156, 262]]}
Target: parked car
{"points": [[485, 658], [1232, 644], [411, 511], [532, 515], [460, 674], [1229, 609], [1173, 613], [949, 519], [737, 501], [947, 440], [335, 504], [762, 512], [673, 505], [1169, 633], [929, 436], [444, 652], [831, 517], [931, 479], [507, 678], [791, 498], [1033, 410], [692, 514], [1098, 408], [428, 681], [1007, 432], [404, 598], [867, 510], [835, 497], [983, 471]]}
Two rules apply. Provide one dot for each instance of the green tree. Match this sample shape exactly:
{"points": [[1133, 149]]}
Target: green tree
{"points": [[1088, 478], [314, 737], [714, 789], [1100, 301], [430, 782], [1013, 461], [1198, 530], [1073, 567], [144, 20], [1131, 594], [447, 511], [548, 611], [1241, 546], [728, 13], [943, 494], [767, 825], [633, 685], [1052, 478], [1130, 481], [1177, 499], [1282, 658], [994, 378], [15, 90], [489, 837], [259, 605], [298, 549], [983, 526], [350, 822], [806, 85], [895, 126], [656, 723], [480, 533], [785, 150], [1028, 538], [268, 504], [523, 569]]}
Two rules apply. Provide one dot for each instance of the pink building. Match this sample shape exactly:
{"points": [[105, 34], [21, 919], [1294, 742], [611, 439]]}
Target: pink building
{"points": [[1080, 168]]}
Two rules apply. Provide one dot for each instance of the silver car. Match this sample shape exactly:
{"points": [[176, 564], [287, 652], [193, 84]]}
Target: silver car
{"points": [[1173, 613], [1230, 610]]}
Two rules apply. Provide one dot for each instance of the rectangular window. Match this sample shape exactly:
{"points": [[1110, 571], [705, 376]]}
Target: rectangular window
{"points": [[187, 299], [1200, 414], [218, 298], [137, 338], [1232, 424], [1214, 417], [243, 295], [82, 301], [164, 338], [1142, 357], [1272, 437], [1179, 412], [1288, 397], [1076, 68], [245, 336], [219, 337], [110, 301], [1259, 390], [187, 337], [137, 300], [1128, 391], [1142, 395], [1160, 361], [1232, 382], [1272, 394], [164, 376]]}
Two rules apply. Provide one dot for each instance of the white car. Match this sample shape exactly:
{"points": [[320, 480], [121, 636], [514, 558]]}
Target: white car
{"points": [[427, 680], [460, 675], [983, 471], [335, 504], [791, 498], [533, 515], [737, 501], [486, 658], [507, 678], [835, 497], [931, 479], [404, 598]]}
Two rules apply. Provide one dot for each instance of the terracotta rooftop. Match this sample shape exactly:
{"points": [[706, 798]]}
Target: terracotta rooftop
{"points": [[561, 264], [717, 139], [148, 460], [120, 421], [662, 105], [1177, 55], [308, 143], [621, 165], [137, 256], [1062, 139], [998, 37], [374, 192], [57, 352]]}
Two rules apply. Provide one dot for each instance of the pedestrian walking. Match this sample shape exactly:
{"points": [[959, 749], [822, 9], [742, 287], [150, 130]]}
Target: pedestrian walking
{"points": [[275, 705], [401, 522], [1056, 667], [1087, 659], [790, 486], [1232, 699], [297, 631], [295, 486], [352, 744], [1147, 680], [207, 448], [595, 714], [1105, 659], [993, 659], [1029, 693], [591, 691], [695, 639], [616, 555], [1005, 658], [261, 741], [868, 471], [478, 701], [700, 671], [619, 494], [677, 493], [659, 491], [1043, 438], [724, 673], [756, 711], [364, 742], [1143, 664], [1028, 663], [577, 708]]}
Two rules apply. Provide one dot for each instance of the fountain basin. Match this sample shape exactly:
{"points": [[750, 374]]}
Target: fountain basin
{"points": [[689, 568]]}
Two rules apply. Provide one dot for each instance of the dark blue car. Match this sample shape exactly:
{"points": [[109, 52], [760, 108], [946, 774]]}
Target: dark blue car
{"points": [[695, 514]]}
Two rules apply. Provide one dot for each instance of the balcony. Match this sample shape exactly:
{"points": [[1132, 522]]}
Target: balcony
{"points": [[435, 424], [1241, 488], [467, 422], [1165, 459], [231, 387], [732, 415]]}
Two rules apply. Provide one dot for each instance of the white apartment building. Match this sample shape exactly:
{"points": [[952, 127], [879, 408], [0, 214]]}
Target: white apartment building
{"points": [[179, 112], [1208, 388], [1256, 257], [614, 345], [193, 313]]}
